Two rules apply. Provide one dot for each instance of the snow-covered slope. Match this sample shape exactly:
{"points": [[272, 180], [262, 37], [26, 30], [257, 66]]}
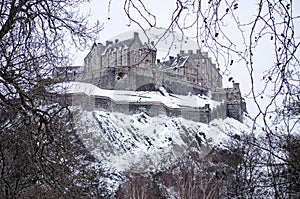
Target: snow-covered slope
{"points": [[140, 143]]}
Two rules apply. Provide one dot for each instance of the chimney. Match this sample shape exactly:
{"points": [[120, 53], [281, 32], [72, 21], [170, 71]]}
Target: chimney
{"points": [[158, 61], [190, 51], [135, 35], [198, 51], [107, 43], [181, 52]]}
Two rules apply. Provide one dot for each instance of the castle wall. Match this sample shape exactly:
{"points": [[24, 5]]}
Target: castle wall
{"points": [[122, 78], [107, 80], [91, 103], [178, 84], [234, 110], [219, 94], [235, 104], [220, 112], [200, 114], [146, 79]]}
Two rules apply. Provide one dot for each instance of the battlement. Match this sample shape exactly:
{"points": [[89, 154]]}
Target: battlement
{"points": [[203, 114]]}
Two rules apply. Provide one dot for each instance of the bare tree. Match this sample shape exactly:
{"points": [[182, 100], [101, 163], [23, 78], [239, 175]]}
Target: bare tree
{"points": [[38, 146], [140, 186]]}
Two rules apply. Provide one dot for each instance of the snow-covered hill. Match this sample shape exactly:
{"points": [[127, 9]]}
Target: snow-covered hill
{"points": [[140, 143]]}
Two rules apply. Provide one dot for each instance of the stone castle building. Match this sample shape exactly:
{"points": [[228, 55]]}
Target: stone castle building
{"points": [[129, 53], [132, 65], [196, 68]]}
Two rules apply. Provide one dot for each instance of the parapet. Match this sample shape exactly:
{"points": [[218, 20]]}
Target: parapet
{"points": [[189, 52]]}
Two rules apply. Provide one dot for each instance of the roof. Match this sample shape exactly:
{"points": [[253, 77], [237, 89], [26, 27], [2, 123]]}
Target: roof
{"points": [[126, 44], [69, 67], [173, 63]]}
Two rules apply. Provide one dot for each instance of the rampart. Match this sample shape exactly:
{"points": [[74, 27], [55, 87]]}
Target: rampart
{"points": [[200, 114]]}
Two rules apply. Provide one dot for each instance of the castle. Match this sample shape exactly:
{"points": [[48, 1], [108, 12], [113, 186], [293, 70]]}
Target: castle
{"points": [[132, 65]]}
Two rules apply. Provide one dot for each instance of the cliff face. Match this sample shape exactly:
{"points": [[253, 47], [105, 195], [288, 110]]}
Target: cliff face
{"points": [[140, 143]]}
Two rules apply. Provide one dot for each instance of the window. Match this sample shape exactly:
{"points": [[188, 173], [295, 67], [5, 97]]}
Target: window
{"points": [[128, 58]]}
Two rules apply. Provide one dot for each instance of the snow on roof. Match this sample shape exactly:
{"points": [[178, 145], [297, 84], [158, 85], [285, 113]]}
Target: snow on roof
{"points": [[172, 101], [179, 61], [176, 62], [112, 46]]}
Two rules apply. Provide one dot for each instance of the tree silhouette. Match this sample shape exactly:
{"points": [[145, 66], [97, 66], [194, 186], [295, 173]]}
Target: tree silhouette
{"points": [[38, 147]]}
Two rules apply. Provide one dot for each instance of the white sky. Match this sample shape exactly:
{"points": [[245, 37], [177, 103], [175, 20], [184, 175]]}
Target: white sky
{"points": [[116, 22]]}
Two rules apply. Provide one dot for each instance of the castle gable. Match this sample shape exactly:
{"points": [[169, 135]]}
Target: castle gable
{"points": [[93, 58], [110, 46], [127, 53]]}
